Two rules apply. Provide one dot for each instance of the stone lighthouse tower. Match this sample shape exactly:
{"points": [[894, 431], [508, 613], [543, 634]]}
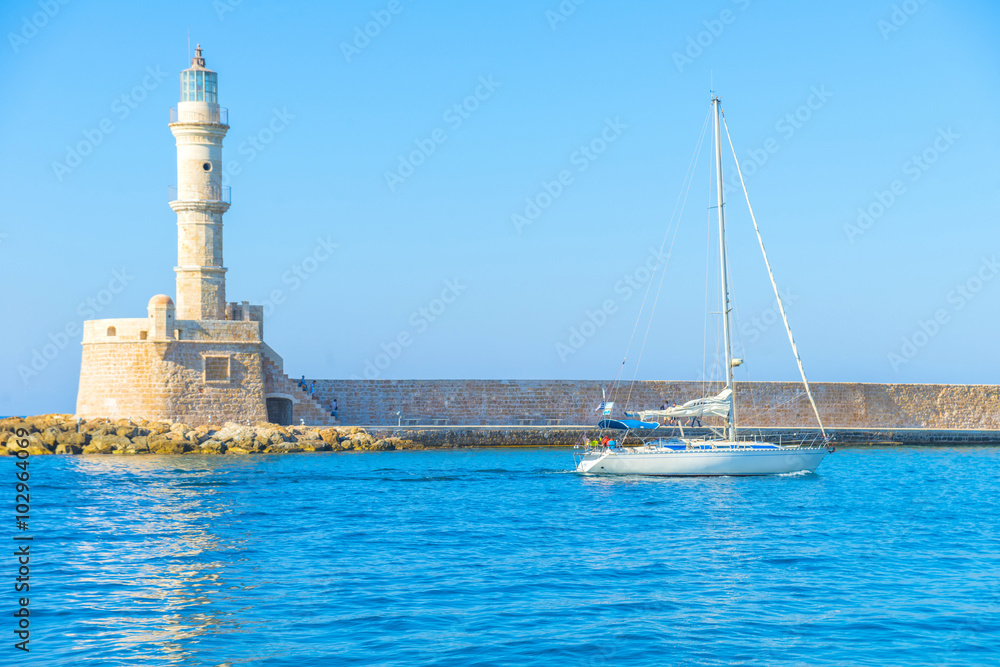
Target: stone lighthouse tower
{"points": [[199, 360], [199, 126]]}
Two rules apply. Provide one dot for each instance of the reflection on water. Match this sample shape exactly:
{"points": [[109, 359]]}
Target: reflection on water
{"points": [[155, 570]]}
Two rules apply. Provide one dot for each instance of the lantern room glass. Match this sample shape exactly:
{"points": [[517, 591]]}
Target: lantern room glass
{"points": [[199, 86]]}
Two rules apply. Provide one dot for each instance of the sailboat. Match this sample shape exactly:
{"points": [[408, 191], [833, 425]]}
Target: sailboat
{"points": [[726, 454]]}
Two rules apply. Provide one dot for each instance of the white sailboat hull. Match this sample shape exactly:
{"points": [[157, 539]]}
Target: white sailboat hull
{"points": [[721, 461]]}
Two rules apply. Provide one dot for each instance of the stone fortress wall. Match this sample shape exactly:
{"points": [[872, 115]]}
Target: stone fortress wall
{"points": [[573, 402], [190, 371], [158, 368], [165, 381]]}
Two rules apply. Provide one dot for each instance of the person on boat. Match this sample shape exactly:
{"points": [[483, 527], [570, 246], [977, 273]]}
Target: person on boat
{"points": [[670, 420], [604, 441]]}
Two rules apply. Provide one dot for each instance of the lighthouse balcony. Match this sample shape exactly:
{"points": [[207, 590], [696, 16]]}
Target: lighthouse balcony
{"points": [[208, 113], [209, 193]]}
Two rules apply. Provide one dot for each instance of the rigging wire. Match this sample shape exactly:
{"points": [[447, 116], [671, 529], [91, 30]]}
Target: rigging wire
{"points": [[710, 374], [682, 196], [659, 288], [770, 273], [744, 365], [708, 266]]}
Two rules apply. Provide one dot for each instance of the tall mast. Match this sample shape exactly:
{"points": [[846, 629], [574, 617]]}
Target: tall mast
{"points": [[724, 262]]}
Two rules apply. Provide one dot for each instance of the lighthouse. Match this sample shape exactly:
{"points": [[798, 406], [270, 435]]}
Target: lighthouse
{"points": [[196, 360], [199, 125]]}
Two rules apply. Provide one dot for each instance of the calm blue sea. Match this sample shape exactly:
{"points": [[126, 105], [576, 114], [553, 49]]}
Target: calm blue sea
{"points": [[505, 557]]}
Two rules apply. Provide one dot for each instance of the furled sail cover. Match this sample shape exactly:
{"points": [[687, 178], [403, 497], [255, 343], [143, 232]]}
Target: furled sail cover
{"points": [[712, 406]]}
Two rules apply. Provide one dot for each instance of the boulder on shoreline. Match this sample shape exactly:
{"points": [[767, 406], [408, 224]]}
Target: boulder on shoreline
{"points": [[67, 435]]}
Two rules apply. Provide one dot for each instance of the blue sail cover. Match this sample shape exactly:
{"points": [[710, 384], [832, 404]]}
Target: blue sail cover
{"points": [[627, 425]]}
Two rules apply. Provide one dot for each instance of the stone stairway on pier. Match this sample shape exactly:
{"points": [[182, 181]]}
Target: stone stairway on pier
{"points": [[304, 406]]}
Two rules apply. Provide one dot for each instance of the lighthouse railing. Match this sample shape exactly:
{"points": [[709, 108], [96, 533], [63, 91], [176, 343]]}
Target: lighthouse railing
{"points": [[215, 193], [217, 115]]}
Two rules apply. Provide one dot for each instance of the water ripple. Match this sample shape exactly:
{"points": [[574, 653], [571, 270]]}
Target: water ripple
{"points": [[488, 557]]}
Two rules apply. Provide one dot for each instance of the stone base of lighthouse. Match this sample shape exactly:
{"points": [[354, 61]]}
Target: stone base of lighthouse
{"points": [[190, 371]]}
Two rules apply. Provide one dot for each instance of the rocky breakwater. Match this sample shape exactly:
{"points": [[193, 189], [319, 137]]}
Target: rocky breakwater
{"points": [[64, 434]]}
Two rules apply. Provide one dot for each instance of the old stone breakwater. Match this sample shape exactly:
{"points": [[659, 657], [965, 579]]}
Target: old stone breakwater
{"points": [[64, 434], [523, 413], [843, 405]]}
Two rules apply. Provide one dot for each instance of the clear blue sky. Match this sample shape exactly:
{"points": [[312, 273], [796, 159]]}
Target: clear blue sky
{"points": [[315, 127]]}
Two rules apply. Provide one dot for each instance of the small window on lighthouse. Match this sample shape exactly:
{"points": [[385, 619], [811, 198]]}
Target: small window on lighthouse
{"points": [[207, 166], [217, 369], [111, 331]]}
